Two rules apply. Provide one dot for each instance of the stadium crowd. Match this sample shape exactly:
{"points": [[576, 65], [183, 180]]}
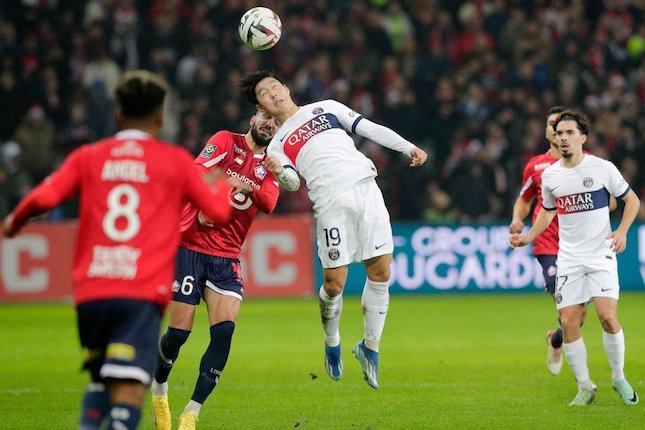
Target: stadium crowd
{"points": [[470, 81]]}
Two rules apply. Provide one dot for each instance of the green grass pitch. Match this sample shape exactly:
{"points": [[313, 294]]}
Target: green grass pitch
{"points": [[447, 362]]}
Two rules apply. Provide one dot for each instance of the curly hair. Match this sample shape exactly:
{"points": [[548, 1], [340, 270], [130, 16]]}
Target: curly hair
{"points": [[571, 115]]}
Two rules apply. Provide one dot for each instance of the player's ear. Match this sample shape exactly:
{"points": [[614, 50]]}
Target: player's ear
{"points": [[159, 117], [584, 138], [118, 116]]}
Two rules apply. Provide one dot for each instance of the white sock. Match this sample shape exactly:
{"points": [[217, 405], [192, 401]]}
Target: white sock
{"points": [[375, 301], [193, 406], [615, 349], [576, 354], [330, 310], [159, 389]]}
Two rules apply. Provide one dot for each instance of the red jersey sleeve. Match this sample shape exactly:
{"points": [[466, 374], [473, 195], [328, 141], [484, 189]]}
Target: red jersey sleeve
{"points": [[215, 150], [266, 198], [56, 188], [212, 202], [529, 187]]}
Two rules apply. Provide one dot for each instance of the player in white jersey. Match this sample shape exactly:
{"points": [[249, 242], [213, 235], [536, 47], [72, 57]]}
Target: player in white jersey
{"points": [[578, 189], [352, 222]]}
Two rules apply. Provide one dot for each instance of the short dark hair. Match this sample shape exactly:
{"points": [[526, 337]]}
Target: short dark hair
{"points": [[140, 93], [556, 109], [251, 79], [571, 115]]}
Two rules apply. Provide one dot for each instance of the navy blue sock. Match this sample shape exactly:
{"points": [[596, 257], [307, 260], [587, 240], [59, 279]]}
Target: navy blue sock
{"points": [[95, 406], [123, 417], [169, 346], [213, 360], [556, 339]]}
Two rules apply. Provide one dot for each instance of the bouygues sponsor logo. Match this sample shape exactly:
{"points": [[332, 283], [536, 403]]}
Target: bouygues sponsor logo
{"points": [[463, 257]]}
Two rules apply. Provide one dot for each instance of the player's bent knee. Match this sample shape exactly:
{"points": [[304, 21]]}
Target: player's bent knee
{"points": [[174, 338], [332, 288]]}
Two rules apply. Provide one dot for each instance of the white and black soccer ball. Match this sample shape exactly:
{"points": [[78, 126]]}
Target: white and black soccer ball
{"points": [[260, 28]]}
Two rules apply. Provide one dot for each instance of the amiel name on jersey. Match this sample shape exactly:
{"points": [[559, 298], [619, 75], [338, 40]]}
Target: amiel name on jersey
{"points": [[124, 170]]}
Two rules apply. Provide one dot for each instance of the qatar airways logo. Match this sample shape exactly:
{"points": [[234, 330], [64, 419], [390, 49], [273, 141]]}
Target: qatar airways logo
{"points": [[243, 178], [582, 202], [575, 203], [316, 125]]}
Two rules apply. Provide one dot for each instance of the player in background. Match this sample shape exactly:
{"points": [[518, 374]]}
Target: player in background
{"points": [[545, 246], [352, 222], [577, 188], [208, 264], [132, 188]]}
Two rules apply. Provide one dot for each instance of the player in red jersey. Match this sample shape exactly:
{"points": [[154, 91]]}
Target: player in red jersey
{"points": [[131, 188], [208, 265], [545, 246]]}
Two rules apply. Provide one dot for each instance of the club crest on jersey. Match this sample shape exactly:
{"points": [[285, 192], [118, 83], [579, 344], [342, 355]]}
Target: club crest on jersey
{"points": [[260, 172], [317, 111], [174, 286], [208, 151], [551, 271], [334, 254], [558, 298], [587, 182]]}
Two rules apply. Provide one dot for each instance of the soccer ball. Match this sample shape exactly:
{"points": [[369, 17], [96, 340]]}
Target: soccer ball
{"points": [[260, 28]]}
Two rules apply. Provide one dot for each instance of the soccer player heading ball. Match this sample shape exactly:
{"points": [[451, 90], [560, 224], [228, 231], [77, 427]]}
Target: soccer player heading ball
{"points": [[352, 222]]}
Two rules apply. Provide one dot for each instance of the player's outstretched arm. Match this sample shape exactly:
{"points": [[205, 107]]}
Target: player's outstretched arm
{"points": [[542, 221], [521, 210], [7, 226]]}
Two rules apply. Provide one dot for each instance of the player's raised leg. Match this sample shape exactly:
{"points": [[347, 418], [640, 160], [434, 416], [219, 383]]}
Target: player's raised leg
{"points": [[331, 306]]}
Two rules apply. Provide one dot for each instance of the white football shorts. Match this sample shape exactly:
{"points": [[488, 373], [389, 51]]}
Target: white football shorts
{"points": [[578, 284], [354, 226]]}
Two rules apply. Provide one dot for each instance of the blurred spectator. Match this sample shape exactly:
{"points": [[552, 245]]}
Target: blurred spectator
{"points": [[36, 138], [14, 181], [439, 209], [10, 104], [102, 72]]}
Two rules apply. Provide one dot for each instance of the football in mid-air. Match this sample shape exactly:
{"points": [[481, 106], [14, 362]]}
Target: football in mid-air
{"points": [[260, 28]]}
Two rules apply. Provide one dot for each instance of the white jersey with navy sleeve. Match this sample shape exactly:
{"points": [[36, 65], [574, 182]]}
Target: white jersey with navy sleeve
{"points": [[581, 197], [316, 143]]}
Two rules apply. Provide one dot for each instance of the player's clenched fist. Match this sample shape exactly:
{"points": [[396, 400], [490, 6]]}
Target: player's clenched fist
{"points": [[516, 227], [517, 240], [273, 165], [419, 156]]}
